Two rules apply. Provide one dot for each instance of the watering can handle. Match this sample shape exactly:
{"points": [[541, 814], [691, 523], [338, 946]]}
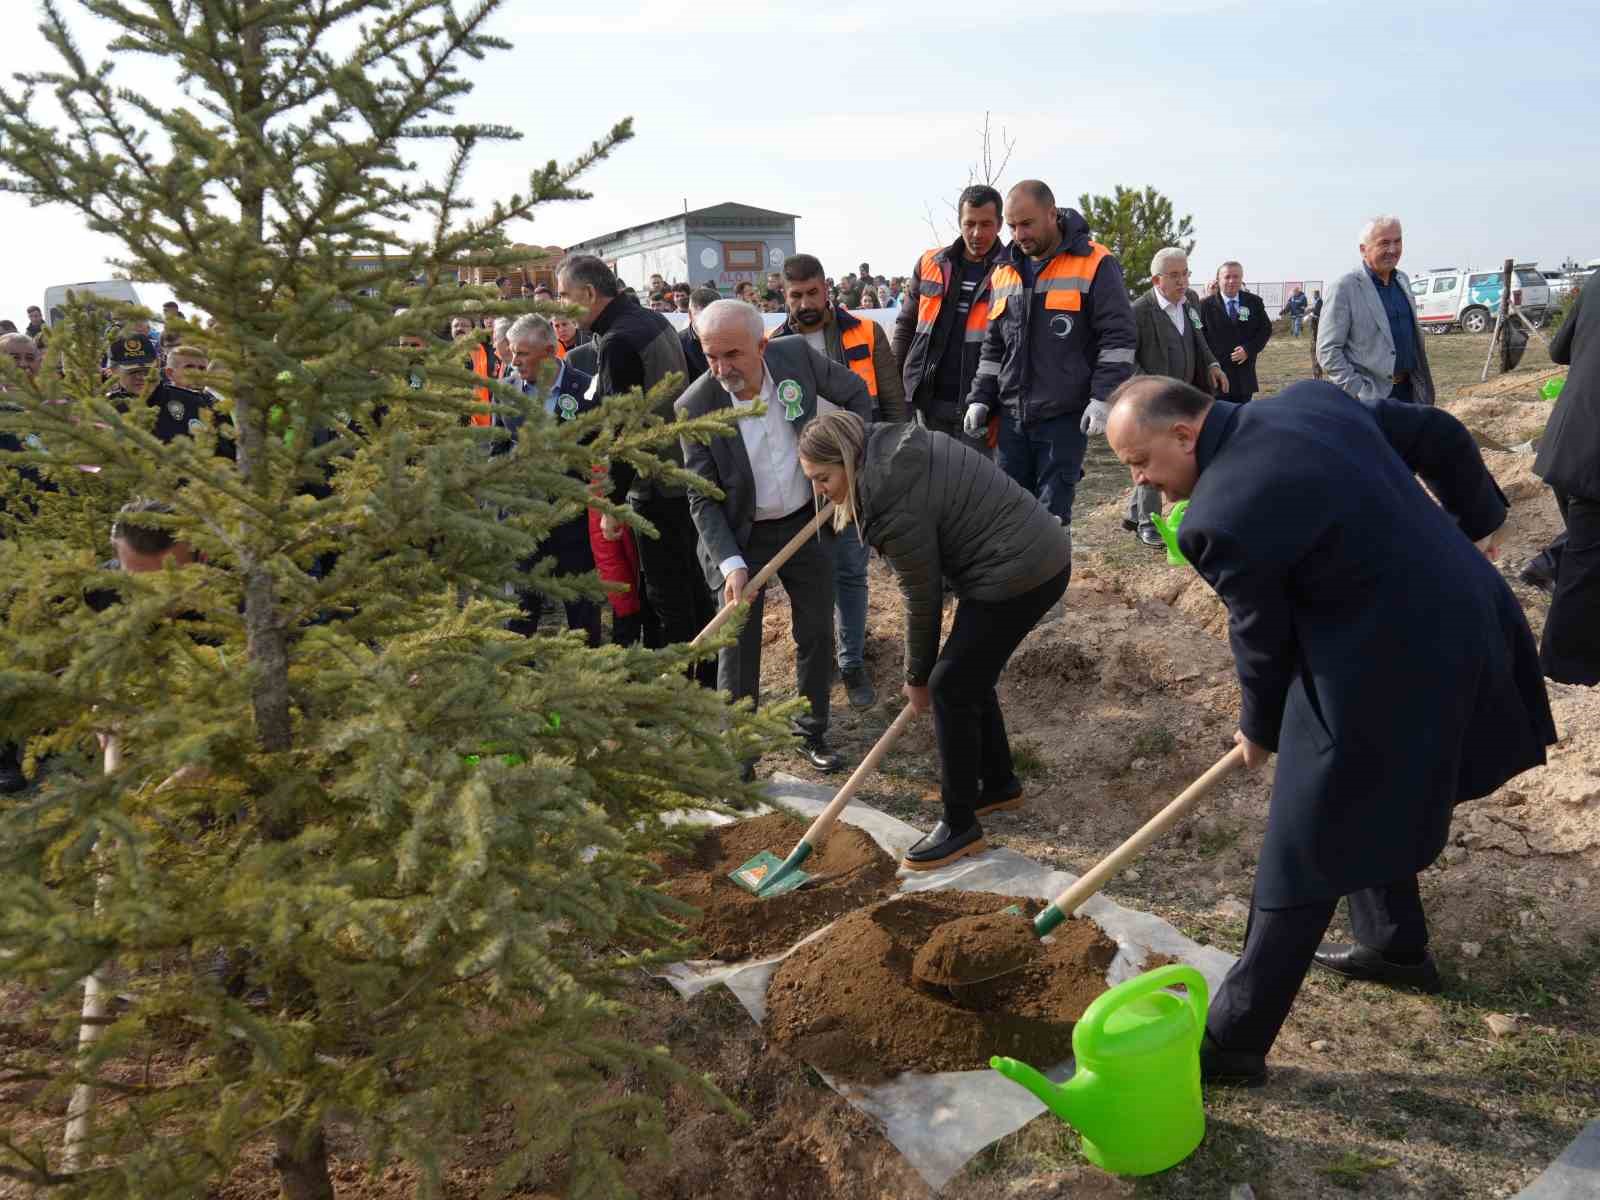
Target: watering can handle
{"points": [[1092, 1025]]}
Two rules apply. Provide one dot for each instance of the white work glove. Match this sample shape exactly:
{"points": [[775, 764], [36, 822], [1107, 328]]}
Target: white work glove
{"points": [[1094, 417], [976, 422]]}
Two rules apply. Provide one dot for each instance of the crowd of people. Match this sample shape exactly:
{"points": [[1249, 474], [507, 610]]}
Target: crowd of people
{"points": [[1379, 654]]}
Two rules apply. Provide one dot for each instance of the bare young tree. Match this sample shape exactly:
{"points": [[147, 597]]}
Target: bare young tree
{"points": [[989, 169]]}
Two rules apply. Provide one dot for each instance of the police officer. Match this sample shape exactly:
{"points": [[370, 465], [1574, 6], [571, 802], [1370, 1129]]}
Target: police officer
{"points": [[134, 362]]}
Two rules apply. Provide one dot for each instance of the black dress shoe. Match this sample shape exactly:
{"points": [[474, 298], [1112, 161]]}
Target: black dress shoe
{"points": [[1130, 526], [1535, 578], [942, 846], [1230, 1068], [1000, 798], [818, 753], [1150, 536], [1363, 962]]}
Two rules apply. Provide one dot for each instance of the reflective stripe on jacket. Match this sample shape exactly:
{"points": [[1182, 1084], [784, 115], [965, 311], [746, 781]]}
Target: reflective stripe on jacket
{"points": [[857, 338], [920, 343]]}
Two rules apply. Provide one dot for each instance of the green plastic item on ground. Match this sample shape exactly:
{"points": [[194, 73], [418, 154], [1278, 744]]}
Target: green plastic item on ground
{"points": [[1167, 527], [1551, 388], [1135, 1093]]}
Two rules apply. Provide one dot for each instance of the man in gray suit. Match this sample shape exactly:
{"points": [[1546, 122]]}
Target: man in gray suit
{"points": [[1369, 341], [766, 497], [1171, 341]]}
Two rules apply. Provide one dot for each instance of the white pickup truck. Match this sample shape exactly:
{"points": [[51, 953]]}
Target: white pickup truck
{"points": [[1461, 298]]}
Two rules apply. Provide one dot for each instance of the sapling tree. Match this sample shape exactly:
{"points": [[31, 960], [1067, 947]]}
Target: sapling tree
{"points": [[369, 862]]}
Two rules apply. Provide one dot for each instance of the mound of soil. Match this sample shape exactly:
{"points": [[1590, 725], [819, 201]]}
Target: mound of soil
{"points": [[848, 1004], [848, 871]]}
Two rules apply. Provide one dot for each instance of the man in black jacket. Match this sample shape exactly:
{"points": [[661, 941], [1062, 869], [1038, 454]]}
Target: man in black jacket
{"points": [[638, 349], [1569, 461], [939, 338], [1060, 340], [1379, 653], [1237, 328], [694, 356]]}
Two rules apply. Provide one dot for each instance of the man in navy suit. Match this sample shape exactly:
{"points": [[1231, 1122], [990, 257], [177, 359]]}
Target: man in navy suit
{"points": [[1379, 653], [533, 344]]}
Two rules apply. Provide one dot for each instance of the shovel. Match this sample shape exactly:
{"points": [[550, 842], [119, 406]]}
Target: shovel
{"points": [[759, 580], [974, 949], [766, 875]]}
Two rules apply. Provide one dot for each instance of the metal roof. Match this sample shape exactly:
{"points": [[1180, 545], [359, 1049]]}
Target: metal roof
{"points": [[728, 210]]}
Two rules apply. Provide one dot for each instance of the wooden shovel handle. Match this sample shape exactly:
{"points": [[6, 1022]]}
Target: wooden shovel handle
{"points": [[1090, 883], [869, 764], [759, 579]]}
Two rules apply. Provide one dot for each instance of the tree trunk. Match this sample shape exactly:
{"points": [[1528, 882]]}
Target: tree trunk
{"points": [[302, 1163]]}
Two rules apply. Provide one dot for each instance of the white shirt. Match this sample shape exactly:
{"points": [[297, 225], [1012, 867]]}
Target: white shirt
{"points": [[774, 450], [1173, 309]]}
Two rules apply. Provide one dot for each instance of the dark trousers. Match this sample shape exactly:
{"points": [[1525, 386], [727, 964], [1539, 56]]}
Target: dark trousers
{"points": [[568, 548], [971, 733], [673, 583], [1046, 458], [1548, 561], [1569, 651], [1255, 998], [954, 429], [808, 579]]}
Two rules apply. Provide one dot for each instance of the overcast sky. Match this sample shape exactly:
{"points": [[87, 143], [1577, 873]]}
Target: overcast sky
{"points": [[1280, 128]]}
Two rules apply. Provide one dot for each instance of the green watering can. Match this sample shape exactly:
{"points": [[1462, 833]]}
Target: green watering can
{"points": [[1135, 1095], [1167, 527], [1552, 387]]}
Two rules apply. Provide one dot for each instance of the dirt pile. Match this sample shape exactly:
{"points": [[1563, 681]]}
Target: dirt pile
{"points": [[848, 1005], [848, 871]]}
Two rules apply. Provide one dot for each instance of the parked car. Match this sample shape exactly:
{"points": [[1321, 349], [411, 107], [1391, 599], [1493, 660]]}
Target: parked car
{"points": [[1461, 298]]}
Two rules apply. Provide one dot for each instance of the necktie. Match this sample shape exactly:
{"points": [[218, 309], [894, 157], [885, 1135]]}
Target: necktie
{"points": [[1233, 310]]}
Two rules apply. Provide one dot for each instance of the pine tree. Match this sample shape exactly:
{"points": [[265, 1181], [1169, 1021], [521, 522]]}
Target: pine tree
{"points": [[1133, 225], [368, 858]]}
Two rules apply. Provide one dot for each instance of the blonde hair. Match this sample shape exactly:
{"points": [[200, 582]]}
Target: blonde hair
{"points": [[837, 439]]}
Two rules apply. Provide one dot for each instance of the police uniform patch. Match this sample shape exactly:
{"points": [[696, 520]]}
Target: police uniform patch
{"points": [[195, 425], [793, 396], [1061, 325], [175, 409]]}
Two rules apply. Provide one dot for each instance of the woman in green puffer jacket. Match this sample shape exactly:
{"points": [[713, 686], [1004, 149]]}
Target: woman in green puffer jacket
{"points": [[938, 510]]}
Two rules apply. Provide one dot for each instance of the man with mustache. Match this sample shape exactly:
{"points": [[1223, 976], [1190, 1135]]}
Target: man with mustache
{"points": [[767, 498], [862, 347]]}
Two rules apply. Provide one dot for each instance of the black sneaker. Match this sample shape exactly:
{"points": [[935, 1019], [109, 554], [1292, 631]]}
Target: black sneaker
{"points": [[858, 687], [1001, 798], [819, 754], [942, 847]]}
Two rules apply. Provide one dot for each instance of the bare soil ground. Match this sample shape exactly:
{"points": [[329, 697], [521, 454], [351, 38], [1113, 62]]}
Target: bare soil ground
{"points": [[1113, 708]]}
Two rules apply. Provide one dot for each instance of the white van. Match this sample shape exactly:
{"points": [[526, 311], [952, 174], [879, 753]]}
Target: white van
{"points": [[1461, 298], [55, 298]]}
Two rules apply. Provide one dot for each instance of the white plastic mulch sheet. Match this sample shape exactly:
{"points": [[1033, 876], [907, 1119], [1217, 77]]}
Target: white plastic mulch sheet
{"points": [[940, 1121]]}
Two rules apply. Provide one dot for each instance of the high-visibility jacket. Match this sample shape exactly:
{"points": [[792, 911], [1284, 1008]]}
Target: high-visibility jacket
{"points": [[859, 339], [485, 366], [1060, 333], [923, 333]]}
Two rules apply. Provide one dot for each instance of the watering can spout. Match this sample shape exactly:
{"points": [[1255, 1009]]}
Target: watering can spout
{"points": [[1066, 1100]]}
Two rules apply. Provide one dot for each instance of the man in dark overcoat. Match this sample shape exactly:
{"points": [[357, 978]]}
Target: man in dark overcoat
{"points": [[1379, 653], [1569, 461]]}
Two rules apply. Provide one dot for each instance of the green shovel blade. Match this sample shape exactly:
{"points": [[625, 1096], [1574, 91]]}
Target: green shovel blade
{"points": [[757, 875]]}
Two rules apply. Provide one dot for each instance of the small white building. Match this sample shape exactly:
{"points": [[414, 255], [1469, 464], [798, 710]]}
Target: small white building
{"points": [[721, 247]]}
